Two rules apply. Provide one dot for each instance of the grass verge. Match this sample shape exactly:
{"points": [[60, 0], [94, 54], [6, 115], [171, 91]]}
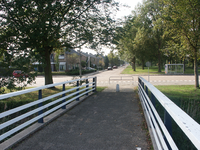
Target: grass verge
{"points": [[185, 92], [19, 100], [139, 70], [152, 70]]}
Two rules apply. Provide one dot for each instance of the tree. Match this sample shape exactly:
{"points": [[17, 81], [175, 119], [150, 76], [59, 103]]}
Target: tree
{"points": [[35, 28], [57, 53], [150, 14], [183, 19], [83, 63], [124, 39], [143, 46], [106, 61], [73, 59]]}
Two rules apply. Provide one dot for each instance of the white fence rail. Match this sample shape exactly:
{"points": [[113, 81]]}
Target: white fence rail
{"points": [[161, 132], [121, 78], [42, 107]]}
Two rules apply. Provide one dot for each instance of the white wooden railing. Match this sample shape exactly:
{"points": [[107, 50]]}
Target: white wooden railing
{"points": [[161, 132], [41, 104]]}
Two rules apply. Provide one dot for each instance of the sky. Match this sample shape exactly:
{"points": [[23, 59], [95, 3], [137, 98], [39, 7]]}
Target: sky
{"points": [[120, 14]]}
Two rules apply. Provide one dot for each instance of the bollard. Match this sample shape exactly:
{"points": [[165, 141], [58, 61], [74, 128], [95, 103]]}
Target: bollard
{"points": [[117, 87], [63, 107], [40, 105], [77, 84], [87, 86]]}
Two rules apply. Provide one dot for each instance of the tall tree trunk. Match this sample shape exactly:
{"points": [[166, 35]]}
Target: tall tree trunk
{"points": [[184, 64], [134, 68], [159, 61], [143, 64], [47, 67], [196, 69]]}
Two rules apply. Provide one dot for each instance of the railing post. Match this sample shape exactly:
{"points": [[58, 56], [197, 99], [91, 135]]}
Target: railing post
{"points": [[86, 86], [40, 105], [168, 122], [77, 84], [139, 80], [147, 92], [153, 100], [142, 84], [94, 84], [64, 107], [168, 125]]}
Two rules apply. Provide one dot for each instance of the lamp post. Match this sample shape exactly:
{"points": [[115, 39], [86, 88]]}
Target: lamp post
{"points": [[80, 72]]}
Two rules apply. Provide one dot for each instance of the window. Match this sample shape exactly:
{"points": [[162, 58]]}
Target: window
{"points": [[61, 56]]}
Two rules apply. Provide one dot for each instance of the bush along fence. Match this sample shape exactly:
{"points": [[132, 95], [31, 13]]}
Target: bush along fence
{"points": [[161, 129], [17, 119]]}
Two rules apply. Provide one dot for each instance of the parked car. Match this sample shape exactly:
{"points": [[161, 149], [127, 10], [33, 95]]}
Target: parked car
{"points": [[109, 68], [89, 68], [19, 73], [114, 67]]}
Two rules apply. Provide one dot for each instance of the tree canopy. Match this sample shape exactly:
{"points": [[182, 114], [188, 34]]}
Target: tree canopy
{"points": [[162, 29], [32, 29]]}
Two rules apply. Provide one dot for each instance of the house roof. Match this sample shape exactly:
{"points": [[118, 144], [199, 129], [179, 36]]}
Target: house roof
{"points": [[72, 51]]}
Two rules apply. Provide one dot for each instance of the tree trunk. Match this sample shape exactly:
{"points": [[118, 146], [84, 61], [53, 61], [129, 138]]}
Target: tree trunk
{"points": [[196, 70], [159, 61], [142, 64], [134, 68], [47, 67]]}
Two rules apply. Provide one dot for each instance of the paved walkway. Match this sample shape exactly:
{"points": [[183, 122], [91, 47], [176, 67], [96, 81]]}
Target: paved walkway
{"points": [[108, 120]]}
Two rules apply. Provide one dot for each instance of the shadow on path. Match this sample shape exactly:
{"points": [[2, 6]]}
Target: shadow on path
{"points": [[105, 121]]}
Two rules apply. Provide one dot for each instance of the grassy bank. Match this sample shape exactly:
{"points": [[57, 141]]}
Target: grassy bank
{"points": [[152, 70], [32, 96], [187, 97], [139, 70]]}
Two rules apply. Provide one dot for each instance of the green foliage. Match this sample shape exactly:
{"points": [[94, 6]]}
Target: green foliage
{"points": [[141, 71], [20, 100], [76, 72], [161, 30], [83, 63], [183, 23], [141, 38], [113, 59], [32, 30]]}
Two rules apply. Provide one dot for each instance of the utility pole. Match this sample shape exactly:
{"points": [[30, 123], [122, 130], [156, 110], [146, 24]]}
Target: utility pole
{"points": [[80, 72]]}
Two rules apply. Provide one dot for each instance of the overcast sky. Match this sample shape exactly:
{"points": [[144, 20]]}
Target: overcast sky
{"points": [[124, 11], [127, 11]]}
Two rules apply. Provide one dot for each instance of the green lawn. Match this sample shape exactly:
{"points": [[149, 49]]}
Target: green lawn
{"points": [[180, 91], [152, 70], [139, 70]]}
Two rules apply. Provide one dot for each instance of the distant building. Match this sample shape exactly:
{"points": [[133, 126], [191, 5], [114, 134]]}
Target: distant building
{"points": [[70, 59]]}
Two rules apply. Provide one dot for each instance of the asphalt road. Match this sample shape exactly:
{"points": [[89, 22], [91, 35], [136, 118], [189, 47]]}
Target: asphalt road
{"points": [[103, 79]]}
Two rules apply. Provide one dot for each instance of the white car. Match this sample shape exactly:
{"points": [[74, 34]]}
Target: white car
{"points": [[89, 68]]}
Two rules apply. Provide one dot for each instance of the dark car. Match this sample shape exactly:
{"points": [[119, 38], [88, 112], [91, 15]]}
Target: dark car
{"points": [[114, 67], [109, 68], [19, 73]]}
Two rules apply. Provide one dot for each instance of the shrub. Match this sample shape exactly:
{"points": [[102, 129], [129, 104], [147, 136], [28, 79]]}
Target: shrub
{"points": [[76, 72]]}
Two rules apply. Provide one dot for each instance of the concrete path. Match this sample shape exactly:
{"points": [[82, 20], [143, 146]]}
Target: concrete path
{"points": [[108, 120]]}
